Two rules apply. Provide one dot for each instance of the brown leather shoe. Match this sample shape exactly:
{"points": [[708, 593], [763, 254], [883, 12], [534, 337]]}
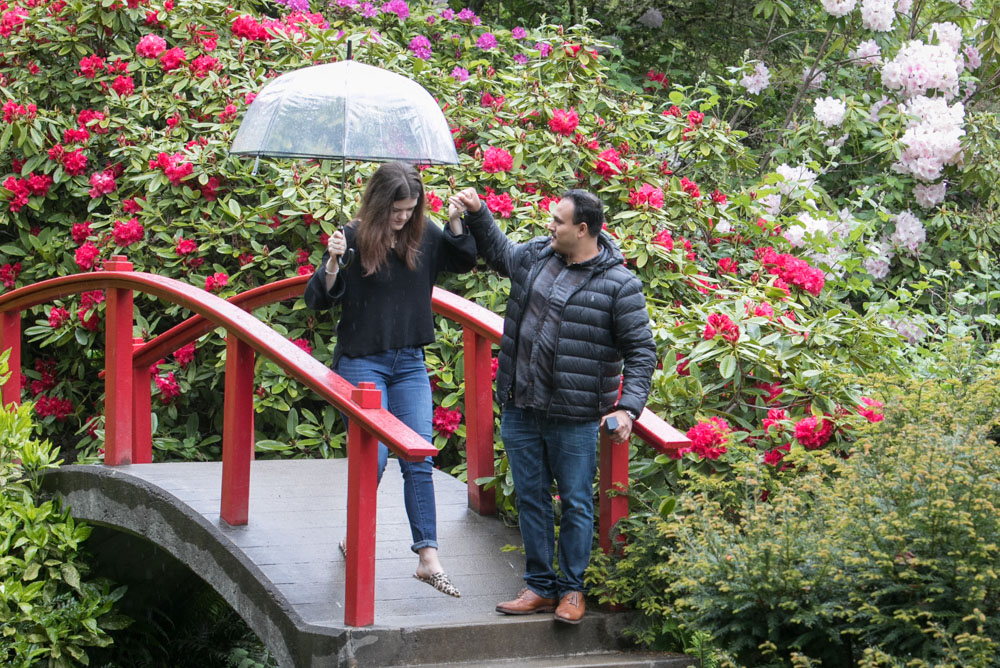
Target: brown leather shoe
{"points": [[526, 603], [571, 608]]}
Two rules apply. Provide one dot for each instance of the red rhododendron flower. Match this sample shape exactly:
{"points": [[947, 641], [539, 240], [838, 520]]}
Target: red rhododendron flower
{"points": [[8, 274], [434, 202], [500, 204], [91, 65], [773, 419], [86, 256], [564, 121], [227, 114], [74, 162], [88, 302], [169, 388], [80, 232], [20, 191], [812, 432], [868, 409], [304, 345], [774, 457], [682, 366], [494, 365], [151, 46], [131, 205], [172, 59], [664, 240], [209, 191], [695, 117], [708, 438], [184, 355], [216, 281], [773, 390], [719, 324], [203, 64], [123, 85], [305, 269], [75, 136], [647, 195], [446, 421], [727, 265], [764, 310], [128, 233], [58, 408], [608, 163], [38, 184], [718, 197], [58, 317], [497, 160], [791, 269], [690, 187], [185, 246]]}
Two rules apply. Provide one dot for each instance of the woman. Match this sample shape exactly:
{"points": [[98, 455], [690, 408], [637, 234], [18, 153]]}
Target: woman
{"points": [[386, 319]]}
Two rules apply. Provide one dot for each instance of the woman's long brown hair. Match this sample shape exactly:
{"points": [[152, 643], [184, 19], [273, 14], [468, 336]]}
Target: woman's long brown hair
{"points": [[392, 182]]}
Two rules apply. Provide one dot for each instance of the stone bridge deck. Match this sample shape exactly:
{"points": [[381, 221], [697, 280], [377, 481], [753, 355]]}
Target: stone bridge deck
{"points": [[284, 574]]}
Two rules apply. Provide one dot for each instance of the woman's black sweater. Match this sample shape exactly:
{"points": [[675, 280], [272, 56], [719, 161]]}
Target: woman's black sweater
{"points": [[392, 307]]}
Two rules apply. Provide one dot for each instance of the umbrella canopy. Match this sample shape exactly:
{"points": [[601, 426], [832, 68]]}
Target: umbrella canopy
{"points": [[346, 110]]}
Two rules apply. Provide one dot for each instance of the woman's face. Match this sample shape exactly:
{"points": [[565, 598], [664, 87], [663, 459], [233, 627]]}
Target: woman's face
{"points": [[402, 211]]}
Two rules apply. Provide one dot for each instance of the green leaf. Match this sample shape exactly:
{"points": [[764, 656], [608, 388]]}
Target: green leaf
{"points": [[234, 207], [70, 575], [728, 366]]}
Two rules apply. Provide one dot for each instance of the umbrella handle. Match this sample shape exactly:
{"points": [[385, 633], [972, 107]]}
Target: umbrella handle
{"points": [[346, 259]]}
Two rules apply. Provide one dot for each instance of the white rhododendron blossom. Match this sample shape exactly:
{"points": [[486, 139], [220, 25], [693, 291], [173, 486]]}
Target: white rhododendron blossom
{"points": [[758, 80], [930, 194], [830, 111], [817, 78], [919, 67], [652, 18], [972, 58], [876, 108], [909, 233], [771, 203], [867, 53], [908, 328], [933, 138], [903, 6], [723, 227], [795, 177], [878, 264], [810, 225], [838, 8], [878, 15], [948, 34]]}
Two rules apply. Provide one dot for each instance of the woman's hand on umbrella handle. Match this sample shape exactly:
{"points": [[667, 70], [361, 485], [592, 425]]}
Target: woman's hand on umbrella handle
{"points": [[336, 246]]}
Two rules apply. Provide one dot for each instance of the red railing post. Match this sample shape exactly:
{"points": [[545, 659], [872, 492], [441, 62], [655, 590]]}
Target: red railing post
{"points": [[142, 411], [362, 484], [613, 476], [10, 337], [118, 370], [237, 431], [478, 420]]}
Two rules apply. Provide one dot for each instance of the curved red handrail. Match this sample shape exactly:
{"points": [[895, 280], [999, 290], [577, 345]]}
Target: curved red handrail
{"points": [[217, 312]]}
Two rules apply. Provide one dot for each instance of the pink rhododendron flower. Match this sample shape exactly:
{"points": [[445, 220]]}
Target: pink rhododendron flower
{"points": [[813, 433], [80, 232], [216, 281], [172, 59], [774, 457], [421, 47], [868, 409], [608, 163], [434, 202], [123, 85], [460, 74], [102, 183], [304, 345], [74, 162], [500, 204], [646, 196], [709, 438], [91, 65], [8, 274], [774, 418], [128, 233], [151, 46], [664, 240], [497, 160]]}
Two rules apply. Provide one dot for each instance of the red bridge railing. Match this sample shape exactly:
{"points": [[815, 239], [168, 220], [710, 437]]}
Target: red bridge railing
{"points": [[128, 430]]}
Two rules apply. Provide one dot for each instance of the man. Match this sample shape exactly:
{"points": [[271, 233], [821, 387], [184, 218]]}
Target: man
{"points": [[574, 314]]}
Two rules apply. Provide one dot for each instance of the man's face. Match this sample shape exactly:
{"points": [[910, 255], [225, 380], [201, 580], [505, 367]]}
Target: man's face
{"points": [[565, 234]]}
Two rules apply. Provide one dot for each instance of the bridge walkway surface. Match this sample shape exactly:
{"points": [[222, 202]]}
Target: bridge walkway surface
{"points": [[284, 575]]}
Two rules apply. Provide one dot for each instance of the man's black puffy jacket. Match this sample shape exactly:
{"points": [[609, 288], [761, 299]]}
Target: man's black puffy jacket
{"points": [[603, 323]]}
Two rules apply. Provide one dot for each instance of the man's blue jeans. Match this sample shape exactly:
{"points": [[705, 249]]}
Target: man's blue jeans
{"points": [[540, 451], [401, 377]]}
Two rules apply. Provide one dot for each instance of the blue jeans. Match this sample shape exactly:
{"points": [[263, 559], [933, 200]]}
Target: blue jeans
{"points": [[539, 451], [401, 377]]}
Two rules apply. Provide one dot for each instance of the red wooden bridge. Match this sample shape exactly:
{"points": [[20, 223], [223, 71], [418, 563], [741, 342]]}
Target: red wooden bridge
{"points": [[278, 570]]}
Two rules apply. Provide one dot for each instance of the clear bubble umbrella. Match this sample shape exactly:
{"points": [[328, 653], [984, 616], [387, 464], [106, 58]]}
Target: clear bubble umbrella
{"points": [[348, 111]]}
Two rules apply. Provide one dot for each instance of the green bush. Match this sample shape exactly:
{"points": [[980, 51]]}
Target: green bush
{"points": [[890, 556], [49, 612]]}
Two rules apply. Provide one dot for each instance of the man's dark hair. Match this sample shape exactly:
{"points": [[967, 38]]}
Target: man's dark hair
{"points": [[587, 208]]}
